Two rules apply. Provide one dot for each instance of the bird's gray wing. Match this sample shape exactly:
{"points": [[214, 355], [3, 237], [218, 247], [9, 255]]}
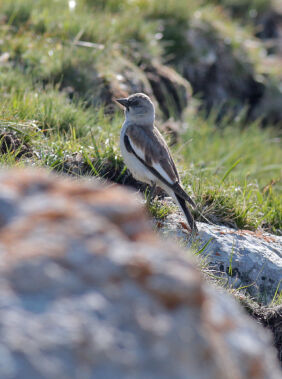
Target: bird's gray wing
{"points": [[149, 147]]}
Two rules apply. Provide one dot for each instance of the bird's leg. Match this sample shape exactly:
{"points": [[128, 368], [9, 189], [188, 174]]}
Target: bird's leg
{"points": [[151, 194]]}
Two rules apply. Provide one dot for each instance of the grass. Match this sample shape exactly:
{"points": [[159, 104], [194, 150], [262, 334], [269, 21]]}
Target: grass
{"points": [[248, 197], [233, 171], [158, 210], [277, 298]]}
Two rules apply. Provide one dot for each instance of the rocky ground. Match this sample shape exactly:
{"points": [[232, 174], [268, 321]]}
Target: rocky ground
{"points": [[247, 259], [246, 263]]}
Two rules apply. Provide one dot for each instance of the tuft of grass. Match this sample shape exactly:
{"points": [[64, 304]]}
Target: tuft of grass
{"points": [[158, 210], [277, 298], [234, 173]]}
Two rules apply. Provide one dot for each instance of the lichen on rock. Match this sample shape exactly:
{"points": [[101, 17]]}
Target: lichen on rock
{"points": [[88, 290]]}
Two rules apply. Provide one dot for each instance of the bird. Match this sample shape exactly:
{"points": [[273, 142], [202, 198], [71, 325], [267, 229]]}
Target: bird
{"points": [[147, 155]]}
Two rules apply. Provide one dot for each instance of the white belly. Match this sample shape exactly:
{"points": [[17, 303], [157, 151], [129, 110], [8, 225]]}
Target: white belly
{"points": [[137, 169]]}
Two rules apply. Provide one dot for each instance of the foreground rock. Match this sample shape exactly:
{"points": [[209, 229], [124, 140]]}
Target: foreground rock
{"points": [[87, 291], [246, 259]]}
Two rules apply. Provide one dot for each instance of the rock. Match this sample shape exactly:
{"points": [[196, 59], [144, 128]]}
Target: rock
{"points": [[221, 71], [246, 259], [171, 90], [88, 291], [99, 86], [126, 79], [222, 76]]}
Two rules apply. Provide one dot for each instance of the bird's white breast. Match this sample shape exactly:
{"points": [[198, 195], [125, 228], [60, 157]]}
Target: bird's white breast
{"points": [[137, 169]]}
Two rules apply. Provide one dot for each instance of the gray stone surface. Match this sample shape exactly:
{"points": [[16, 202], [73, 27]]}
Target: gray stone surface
{"points": [[88, 291], [244, 258]]}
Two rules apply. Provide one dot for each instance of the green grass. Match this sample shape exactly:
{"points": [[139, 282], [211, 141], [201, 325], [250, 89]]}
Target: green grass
{"points": [[248, 196], [233, 172], [158, 209], [277, 298]]}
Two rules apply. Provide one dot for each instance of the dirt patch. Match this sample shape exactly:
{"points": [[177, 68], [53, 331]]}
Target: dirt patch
{"points": [[76, 165], [270, 318], [11, 143]]}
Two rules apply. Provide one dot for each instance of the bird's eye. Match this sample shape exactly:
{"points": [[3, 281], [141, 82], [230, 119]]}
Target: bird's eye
{"points": [[134, 103]]}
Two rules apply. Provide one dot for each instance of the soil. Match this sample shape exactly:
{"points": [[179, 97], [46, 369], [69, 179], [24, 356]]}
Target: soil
{"points": [[270, 318], [10, 142]]}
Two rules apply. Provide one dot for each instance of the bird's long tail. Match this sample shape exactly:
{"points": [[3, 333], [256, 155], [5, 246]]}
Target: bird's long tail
{"points": [[182, 205]]}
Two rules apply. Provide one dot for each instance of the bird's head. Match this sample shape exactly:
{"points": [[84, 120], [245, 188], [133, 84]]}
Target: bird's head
{"points": [[138, 108]]}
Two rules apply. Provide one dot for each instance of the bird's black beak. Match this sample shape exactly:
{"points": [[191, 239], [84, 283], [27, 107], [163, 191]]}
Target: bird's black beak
{"points": [[123, 102]]}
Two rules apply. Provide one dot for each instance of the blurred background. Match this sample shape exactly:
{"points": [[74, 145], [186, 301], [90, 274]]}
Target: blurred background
{"points": [[213, 69]]}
